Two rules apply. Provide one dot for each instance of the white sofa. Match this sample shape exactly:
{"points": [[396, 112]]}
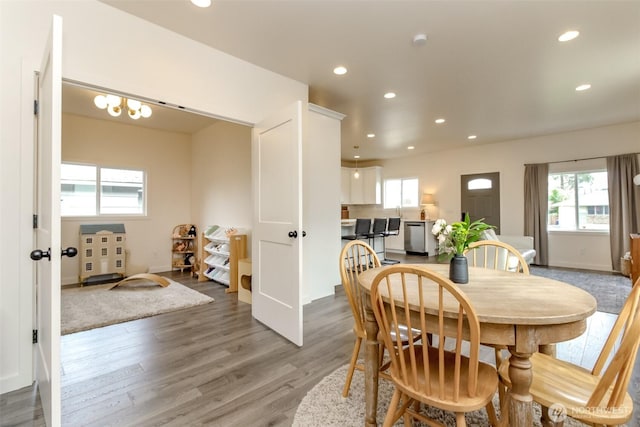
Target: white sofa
{"points": [[524, 244]]}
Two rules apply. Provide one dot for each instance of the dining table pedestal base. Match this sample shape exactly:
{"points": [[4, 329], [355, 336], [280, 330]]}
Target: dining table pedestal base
{"points": [[521, 407]]}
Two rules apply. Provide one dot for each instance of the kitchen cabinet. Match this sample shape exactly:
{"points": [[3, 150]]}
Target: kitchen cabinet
{"points": [[345, 185], [364, 190]]}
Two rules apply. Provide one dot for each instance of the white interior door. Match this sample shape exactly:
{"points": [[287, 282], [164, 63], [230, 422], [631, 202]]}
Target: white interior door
{"points": [[48, 230], [277, 229]]}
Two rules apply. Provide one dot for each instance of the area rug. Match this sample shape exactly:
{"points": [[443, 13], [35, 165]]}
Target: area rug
{"points": [[324, 406], [95, 306], [609, 290]]}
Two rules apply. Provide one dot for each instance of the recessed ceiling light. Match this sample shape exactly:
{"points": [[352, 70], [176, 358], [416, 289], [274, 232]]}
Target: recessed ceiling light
{"points": [[389, 95], [371, 135], [411, 147], [201, 3], [340, 70], [439, 121], [583, 87], [569, 35], [471, 137], [419, 39], [356, 157]]}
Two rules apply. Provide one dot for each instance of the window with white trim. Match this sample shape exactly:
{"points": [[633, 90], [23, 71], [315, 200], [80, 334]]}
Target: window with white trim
{"points": [[401, 193], [91, 190], [578, 201]]}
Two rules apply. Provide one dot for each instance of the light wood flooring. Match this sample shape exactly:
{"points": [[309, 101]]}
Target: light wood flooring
{"points": [[213, 365]]}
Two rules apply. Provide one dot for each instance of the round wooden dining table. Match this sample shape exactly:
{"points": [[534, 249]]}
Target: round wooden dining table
{"points": [[519, 311]]}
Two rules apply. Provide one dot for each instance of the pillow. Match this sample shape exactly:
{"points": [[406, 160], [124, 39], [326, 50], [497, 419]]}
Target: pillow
{"points": [[489, 234]]}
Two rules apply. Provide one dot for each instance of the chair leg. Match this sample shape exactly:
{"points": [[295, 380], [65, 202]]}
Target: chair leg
{"points": [[391, 418], [491, 412], [501, 387], [352, 366], [460, 420]]}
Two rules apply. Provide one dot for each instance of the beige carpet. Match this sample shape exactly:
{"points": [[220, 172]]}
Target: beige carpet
{"points": [[95, 306], [324, 406]]}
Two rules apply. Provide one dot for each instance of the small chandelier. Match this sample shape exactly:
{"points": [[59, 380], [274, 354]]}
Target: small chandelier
{"points": [[115, 104]]}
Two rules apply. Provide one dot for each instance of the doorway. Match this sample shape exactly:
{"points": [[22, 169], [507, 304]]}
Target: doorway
{"points": [[480, 197]]}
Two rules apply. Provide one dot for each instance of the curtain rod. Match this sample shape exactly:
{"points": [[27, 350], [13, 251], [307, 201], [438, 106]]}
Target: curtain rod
{"points": [[578, 160]]}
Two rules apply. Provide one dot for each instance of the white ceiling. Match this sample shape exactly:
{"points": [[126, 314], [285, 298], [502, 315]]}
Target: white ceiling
{"points": [[491, 68]]}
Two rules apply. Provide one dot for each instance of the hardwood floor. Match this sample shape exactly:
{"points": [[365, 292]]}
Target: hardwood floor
{"points": [[214, 365]]}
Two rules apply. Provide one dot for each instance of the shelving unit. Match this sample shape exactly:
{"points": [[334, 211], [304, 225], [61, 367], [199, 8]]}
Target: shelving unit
{"points": [[184, 247], [220, 254]]}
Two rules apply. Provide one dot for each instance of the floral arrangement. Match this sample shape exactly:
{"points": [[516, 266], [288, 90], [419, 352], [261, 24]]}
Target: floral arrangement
{"points": [[456, 237]]}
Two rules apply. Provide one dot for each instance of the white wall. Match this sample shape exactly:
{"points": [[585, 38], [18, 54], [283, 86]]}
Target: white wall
{"points": [[166, 159], [101, 46], [439, 173], [221, 177], [321, 203]]}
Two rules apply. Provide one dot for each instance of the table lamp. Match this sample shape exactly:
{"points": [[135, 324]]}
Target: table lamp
{"points": [[427, 200]]}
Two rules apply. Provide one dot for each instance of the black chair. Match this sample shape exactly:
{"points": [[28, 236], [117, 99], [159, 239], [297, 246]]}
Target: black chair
{"points": [[363, 228], [378, 230], [393, 229]]}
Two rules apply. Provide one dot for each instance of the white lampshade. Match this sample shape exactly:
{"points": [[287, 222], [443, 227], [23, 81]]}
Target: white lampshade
{"points": [[427, 199], [145, 110], [133, 104], [134, 114], [636, 179], [114, 111], [113, 100], [100, 101]]}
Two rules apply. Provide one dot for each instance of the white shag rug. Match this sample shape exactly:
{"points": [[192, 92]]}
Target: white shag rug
{"points": [[95, 306], [324, 406]]}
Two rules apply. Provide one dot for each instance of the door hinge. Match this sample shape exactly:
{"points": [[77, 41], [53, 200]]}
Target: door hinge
{"points": [[35, 107], [34, 336], [35, 221]]}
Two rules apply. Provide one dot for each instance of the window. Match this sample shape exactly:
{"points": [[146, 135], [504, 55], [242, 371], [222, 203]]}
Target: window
{"points": [[401, 193], [480, 184], [89, 190], [578, 201]]}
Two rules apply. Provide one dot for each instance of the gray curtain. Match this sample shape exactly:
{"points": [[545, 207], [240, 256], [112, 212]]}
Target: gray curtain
{"points": [[536, 203], [624, 204]]}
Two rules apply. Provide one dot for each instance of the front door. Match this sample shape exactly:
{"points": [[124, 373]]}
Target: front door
{"points": [[277, 222], [480, 197], [47, 234]]}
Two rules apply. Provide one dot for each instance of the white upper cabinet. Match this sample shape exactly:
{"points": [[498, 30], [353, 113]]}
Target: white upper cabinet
{"points": [[345, 194], [364, 190]]}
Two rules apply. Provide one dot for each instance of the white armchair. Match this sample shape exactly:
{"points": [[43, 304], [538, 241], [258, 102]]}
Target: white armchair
{"points": [[524, 244]]}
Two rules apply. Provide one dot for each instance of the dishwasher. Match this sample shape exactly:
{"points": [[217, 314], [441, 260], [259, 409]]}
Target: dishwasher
{"points": [[414, 237]]}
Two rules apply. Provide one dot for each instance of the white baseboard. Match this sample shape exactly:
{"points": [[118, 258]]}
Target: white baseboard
{"points": [[596, 267], [70, 280]]}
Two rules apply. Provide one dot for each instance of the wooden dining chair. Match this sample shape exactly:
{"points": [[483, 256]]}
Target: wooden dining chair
{"points": [[497, 256], [598, 397], [355, 258], [445, 379]]}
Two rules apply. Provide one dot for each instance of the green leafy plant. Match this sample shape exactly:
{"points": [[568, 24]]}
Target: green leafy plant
{"points": [[455, 238]]}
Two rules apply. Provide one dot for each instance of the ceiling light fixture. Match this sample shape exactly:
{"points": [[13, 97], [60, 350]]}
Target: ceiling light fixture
{"points": [[201, 3], [340, 70], [585, 86], [356, 174], [371, 135], [411, 147], [419, 39], [390, 95], [115, 104], [472, 137], [440, 121], [569, 35]]}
